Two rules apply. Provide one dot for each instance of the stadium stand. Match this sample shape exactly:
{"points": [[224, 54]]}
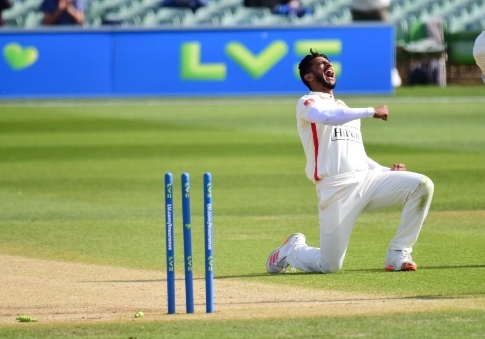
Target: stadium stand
{"points": [[16, 16], [33, 19], [244, 15], [166, 16], [459, 15]]}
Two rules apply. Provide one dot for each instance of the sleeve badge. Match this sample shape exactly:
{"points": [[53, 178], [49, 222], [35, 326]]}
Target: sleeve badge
{"points": [[309, 102]]}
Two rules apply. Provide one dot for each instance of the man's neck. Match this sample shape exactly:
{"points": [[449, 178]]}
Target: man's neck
{"points": [[323, 90]]}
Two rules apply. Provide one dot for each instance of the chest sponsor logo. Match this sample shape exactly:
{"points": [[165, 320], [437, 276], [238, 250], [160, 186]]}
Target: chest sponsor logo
{"points": [[346, 133]]}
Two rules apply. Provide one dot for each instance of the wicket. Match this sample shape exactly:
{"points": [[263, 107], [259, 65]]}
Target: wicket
{"points": [[187, 237]]}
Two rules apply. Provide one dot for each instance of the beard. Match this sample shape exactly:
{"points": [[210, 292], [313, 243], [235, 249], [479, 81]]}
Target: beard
{"points": [[321, 80]]}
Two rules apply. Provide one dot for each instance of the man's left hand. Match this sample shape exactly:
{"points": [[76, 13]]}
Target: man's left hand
{"points": [[398, 167]]}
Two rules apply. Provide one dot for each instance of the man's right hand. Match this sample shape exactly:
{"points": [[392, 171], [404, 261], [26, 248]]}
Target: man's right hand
{"points": [[381, 112]]}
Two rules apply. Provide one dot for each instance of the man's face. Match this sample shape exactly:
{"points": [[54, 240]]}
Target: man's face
{"points": [[323, 73]]}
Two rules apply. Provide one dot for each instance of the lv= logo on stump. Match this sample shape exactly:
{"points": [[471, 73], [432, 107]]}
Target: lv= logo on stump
{"points": [[187, 236]]}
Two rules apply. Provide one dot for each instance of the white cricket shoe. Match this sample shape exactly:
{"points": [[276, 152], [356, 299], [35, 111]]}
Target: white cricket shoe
{"points": [[276, 262], [399, 261]]}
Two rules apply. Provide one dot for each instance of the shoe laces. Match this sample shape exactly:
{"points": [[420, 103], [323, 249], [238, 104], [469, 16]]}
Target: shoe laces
{"points": [[406, 256], [282, 264]]}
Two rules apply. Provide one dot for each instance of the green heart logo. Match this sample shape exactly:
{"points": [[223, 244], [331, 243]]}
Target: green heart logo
{"points": [[18, 57]]}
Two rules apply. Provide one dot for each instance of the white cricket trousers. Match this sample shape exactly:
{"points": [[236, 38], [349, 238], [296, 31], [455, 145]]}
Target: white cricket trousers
{"points": [[479, 51], [342, 198]]}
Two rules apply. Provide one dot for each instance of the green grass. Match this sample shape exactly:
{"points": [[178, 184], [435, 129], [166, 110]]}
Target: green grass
{"points": [[464, 324], [82, 181]]}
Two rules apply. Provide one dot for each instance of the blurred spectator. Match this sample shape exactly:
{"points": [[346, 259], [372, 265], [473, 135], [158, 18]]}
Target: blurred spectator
{"points": [[479, 53], [62, 12], [192, 4], [370, 10], [4, 4], [374, 10], [292, 8]]}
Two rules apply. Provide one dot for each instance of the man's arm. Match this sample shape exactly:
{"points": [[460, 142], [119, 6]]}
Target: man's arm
{"points": [[77, 15], [338, 116], [342, 115]]}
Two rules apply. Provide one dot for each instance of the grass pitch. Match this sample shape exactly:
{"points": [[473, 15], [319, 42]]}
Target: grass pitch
{"points": [[82, 181]]}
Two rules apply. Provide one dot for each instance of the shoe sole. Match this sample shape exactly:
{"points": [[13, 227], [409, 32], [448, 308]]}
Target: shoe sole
{"points": [[407, 266]]}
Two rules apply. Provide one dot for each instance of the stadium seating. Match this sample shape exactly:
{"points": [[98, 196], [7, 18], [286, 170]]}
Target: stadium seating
{"points": [[475, 25], [166, 16], [133, 13], [16, 15], [33, 19], [274, 20], [401, 29], [210, 15], [244, 15], [102, 7], [459, 15]]}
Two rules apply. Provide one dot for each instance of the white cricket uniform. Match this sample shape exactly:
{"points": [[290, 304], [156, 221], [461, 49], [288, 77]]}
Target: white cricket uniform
{"points": [[348, 183], [479, 52]]}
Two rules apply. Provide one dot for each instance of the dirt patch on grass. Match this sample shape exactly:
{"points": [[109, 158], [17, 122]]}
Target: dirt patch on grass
{"points": [[54, 291]]}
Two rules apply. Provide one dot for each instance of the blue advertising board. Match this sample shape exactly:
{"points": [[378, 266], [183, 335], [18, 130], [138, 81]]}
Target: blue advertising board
{"points": [[44, 64], [133, 63]]}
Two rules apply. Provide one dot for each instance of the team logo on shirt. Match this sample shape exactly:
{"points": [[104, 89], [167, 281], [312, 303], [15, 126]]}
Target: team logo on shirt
{"points": [[309, 102], [346, 133]]}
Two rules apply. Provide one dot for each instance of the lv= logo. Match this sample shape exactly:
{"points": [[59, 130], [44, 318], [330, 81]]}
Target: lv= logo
{"points": [[255, 65]]}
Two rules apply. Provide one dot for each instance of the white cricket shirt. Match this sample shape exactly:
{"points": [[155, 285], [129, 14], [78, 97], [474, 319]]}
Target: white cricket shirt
{"points": [[331, 137]]}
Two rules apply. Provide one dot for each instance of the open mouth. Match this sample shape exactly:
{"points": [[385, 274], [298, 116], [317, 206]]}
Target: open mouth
{"points": [[329, 73]]}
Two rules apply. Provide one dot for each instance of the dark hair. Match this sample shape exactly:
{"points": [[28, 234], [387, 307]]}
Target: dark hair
{"points": [[305, 66]]}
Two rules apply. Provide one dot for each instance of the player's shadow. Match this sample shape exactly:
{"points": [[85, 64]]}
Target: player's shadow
{"points": [[343, 271], [451, 267], [420, 268], [299, 273]]}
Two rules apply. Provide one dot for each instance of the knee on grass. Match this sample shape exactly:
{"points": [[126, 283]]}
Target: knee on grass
{"points": [[330, 266]]}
